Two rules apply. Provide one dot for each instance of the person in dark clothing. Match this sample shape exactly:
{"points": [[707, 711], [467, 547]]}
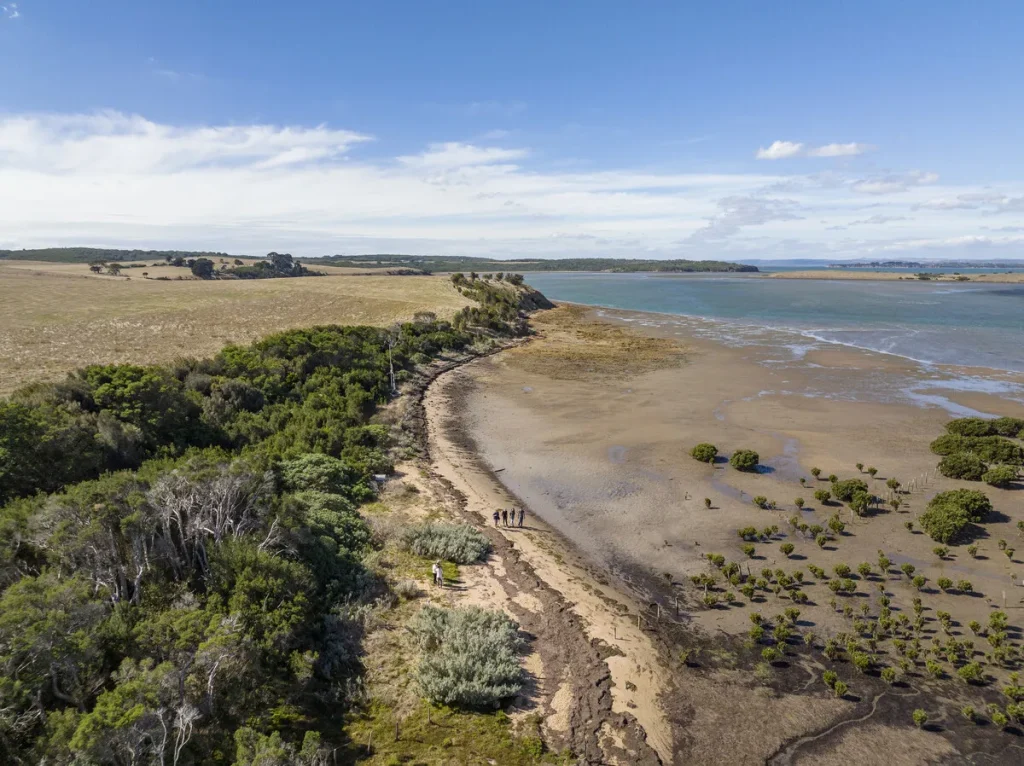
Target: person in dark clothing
{"points": [[496, 517], [522, 515], [504, 516]]}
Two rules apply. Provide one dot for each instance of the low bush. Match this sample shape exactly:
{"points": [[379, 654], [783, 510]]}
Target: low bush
{"points": [[846, 489], [1000, 475], [996, 449], [962, 465], [948, 444], [991, 449], [470, 657], [704, 452], [744, 460], [1011, 427], [950, 513], [460, 543], [971, 427]]}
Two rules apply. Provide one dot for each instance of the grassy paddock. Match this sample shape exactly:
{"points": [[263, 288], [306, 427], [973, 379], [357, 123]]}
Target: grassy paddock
{"points": [[55, 318]]}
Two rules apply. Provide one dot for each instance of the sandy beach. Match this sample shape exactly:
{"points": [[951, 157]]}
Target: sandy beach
{"points": [[589, 426]]}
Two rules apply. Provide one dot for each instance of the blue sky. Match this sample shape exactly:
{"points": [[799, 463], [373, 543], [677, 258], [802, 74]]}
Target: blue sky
{"points": [[732, 130]]}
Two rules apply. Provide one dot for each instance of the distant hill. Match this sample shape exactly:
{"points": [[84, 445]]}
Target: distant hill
{"points": [[93, 254], [465, 263]]}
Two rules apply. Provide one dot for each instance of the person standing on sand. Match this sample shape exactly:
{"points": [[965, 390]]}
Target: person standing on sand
{"points": [[522, 515], [496, 517], [438, 574], [504, 516]]}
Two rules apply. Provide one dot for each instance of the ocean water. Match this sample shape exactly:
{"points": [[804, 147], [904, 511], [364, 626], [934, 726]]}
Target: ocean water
{"points": [[975, 325]]}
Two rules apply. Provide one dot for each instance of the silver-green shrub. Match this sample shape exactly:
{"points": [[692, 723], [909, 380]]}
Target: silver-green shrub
{"points": [[469, 657], [459, 543]]}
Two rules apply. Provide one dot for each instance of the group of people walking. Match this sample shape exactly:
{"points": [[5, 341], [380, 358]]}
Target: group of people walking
{"points": [[507, 516]]}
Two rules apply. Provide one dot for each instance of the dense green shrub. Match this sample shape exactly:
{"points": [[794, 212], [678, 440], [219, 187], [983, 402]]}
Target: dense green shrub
{"points": [[847, 488], [201, 551], [744, 460], [948, 444], [1000, 475], [962, 465], [704, 452], [460, 543], [996, 449], [971, 427], [469, 657], [991, 449], [292, 393], [860, 502], [1011, 427], [949, 514]]}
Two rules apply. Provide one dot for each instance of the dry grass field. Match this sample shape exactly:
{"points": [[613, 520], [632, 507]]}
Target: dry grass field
{"points": [[56, 317]]}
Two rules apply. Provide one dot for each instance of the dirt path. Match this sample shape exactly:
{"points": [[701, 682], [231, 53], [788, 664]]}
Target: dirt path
{"points": [[596, 678]]}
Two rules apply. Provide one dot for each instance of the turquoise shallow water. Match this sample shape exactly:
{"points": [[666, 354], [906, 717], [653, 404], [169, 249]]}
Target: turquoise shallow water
{"points": [[977, 325]]}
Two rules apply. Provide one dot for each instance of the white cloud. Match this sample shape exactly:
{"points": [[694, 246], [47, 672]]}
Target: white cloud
{"points": [[780, 150], [839, 150], [454, 154], [111, 142], [10, 11], [111, 179]]}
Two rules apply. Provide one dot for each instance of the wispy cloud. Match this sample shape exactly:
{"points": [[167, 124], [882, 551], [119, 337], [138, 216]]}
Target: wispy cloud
{"points": [[454, 155], [738, 212], [893, 183], [116, 143], [172, 75], [781, 150], [878, 220], [10, 11], [119, 179]]}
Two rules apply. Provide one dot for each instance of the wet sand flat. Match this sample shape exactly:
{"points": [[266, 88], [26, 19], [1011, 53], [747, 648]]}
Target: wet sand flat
{"points": [[603, 458]]}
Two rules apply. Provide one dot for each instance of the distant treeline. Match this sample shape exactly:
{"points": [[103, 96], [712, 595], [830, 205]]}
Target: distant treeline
{"points": [[425, 263], [436, 263], [99, 254]]}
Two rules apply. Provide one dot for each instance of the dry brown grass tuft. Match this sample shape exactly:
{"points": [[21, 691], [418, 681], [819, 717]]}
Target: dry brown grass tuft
{"points": [[572, 345], [55, 318]]}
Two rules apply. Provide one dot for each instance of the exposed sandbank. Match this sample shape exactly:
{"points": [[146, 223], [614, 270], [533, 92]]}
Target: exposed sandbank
{"points": [[908, 275]]}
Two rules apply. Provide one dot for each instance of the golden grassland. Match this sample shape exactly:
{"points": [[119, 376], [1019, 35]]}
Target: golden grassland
{"points": [[574, 345], [55, 318], [906, 276]]}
